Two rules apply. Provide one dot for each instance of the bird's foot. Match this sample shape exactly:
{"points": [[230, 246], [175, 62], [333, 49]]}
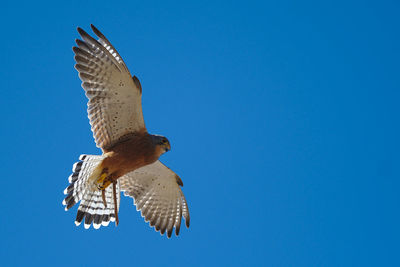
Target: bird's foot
{"points": [[103, 196], [103, 182], [115, 202]]}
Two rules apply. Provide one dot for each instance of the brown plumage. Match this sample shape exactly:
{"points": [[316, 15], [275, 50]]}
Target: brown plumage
{"points": [[137, 151], [130, 154]]}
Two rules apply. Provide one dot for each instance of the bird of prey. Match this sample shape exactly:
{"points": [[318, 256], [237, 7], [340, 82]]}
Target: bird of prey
{"points": [[130, 158]]}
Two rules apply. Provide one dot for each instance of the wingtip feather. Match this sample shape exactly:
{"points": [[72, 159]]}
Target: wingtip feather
{"points": [[81, 31], [96, 31], [177, 228], [169, 232]]}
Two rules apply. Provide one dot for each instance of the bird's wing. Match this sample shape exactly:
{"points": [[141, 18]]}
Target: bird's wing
{"points": [[156, 192], [115, 98]]}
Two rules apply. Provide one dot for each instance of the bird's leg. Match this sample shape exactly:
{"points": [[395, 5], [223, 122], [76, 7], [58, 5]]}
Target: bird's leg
{"points": [[115, 202], [105, 184], [103, 181], [103, 196], [103, 176]]}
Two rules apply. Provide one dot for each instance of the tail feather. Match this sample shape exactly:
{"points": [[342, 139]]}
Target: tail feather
{"points": [[91, 208]]}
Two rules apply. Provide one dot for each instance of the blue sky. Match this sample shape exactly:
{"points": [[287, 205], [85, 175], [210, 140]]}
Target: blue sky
{"points": [[283, 118]]}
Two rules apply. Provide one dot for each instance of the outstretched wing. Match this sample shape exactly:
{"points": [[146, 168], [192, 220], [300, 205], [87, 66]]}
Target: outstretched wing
{"points": [[156, 192], [115, 98]]}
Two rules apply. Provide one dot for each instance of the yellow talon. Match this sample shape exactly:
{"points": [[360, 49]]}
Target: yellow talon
{"points": [[103, 183], [102, 177]]}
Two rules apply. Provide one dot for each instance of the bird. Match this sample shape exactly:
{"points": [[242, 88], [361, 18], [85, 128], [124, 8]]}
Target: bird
{"points": [[129, 161]]}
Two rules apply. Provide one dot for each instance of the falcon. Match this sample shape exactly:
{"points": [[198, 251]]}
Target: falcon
{"points": [[130, 155]]}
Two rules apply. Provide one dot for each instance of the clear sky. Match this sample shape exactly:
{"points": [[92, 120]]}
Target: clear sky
{"points": [[283, 118]]}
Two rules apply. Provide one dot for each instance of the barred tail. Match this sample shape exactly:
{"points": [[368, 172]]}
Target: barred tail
{"points": [[91, 209]]}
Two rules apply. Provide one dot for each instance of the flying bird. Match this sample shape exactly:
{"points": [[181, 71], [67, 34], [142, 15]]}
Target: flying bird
{"points": [[130, 155]]}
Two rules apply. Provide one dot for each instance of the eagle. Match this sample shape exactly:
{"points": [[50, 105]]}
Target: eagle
{"points": [[130, 155]]}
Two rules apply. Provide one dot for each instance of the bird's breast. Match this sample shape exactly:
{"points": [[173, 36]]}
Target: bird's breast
{"points": [[129, 156]]}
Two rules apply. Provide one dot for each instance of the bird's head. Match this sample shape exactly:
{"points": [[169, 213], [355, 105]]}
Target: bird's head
{"points": [[162, 144]]}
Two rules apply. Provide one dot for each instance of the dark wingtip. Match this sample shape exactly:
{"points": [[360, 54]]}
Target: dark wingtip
{"points": [[187, 221], [84, 34], [80, 30], [137, 83], [162, 231], [95, 30], [178, 180], [78, 41], [169, 233], [177, 228]]}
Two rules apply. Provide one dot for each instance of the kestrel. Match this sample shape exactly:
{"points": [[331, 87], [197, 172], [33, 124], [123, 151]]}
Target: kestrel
{"points": [[129, 161]]}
